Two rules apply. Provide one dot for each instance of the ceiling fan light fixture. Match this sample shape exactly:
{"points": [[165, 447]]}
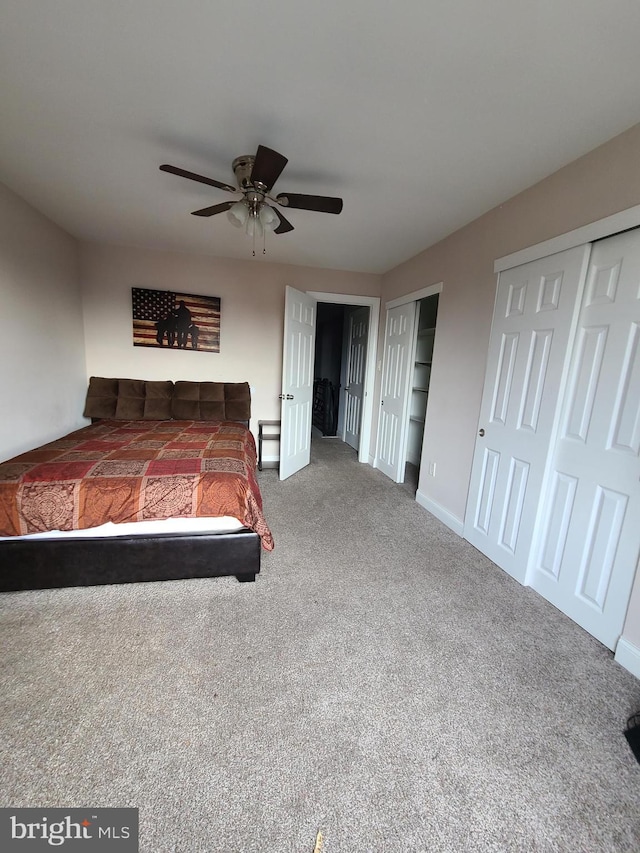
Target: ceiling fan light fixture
{"points": [[268, 218], [238, 214]]}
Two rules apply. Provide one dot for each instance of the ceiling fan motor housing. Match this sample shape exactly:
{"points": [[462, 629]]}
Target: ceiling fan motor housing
{"points": [[255, 176], [242, 168]]}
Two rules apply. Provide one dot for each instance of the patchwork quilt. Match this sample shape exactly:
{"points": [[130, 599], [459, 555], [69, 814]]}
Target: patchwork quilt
{"points": [[123, 471]]}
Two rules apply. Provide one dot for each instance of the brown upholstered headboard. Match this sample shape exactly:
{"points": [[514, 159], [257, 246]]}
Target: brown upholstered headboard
{"points": [[138, 399]]}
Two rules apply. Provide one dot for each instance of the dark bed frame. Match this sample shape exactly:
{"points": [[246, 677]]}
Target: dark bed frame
{"points": [[44, 564], [92, 561]]}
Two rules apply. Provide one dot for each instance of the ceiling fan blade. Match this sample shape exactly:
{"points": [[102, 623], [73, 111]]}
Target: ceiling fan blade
{"points": [[216, 208], [284, 226], [320, 203], [268, 166], [174, 170]]}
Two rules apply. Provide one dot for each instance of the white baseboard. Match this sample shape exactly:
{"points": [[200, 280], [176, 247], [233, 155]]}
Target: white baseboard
{"points": [[440, 513], [628, 656]]}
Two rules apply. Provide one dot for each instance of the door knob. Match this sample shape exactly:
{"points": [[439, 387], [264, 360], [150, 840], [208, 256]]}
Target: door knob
{"points": [[481, 432], [285, 396]]}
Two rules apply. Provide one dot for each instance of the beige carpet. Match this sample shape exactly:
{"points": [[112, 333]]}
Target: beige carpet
{"points": [[382, 682]]}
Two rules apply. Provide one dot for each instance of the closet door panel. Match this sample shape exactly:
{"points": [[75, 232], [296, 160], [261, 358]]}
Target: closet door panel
{"points": [[399, 347], [596, 544], [527, 365]]}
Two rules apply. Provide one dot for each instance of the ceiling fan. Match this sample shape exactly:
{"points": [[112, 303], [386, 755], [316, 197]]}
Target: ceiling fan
{"points": [[256, 210]]}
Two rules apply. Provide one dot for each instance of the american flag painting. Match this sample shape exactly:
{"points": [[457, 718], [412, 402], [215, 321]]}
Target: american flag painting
{"points": [[163, 318]]}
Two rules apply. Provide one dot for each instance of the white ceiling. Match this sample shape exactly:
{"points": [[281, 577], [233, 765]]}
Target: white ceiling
{"points": [[420, 114]]}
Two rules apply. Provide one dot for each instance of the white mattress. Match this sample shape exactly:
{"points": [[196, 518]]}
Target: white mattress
{"points": [[224, 524]]}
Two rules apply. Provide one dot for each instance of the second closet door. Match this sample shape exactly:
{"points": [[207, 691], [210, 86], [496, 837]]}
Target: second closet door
{"points": [[589, 538]]}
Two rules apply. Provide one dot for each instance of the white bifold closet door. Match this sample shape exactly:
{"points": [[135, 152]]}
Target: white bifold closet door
{"points": [[399, 349], [589, 539], [356, 366], [555, 486], [527, 361]]}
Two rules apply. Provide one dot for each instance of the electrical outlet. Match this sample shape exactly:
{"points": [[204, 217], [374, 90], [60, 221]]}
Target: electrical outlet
{"points": [[432, 469]]}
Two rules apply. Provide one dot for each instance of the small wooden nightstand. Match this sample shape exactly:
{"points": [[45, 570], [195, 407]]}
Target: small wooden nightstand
{"points": [[269, 436]]}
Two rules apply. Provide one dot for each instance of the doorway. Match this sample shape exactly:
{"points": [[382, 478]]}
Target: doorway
{"points": [[298, 372], [327, 369], [342, 333], [427, 315]]}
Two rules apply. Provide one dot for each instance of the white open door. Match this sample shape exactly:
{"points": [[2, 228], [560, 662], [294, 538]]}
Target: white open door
{"points": [[526, 369], [297, 381], [356, 364], [399, 348]]}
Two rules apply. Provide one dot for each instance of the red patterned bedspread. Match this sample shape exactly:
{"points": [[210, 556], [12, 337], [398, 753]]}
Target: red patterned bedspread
{"points": [[134, 471]]}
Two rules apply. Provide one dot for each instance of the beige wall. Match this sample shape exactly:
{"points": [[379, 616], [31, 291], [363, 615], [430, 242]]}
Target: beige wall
{"points": [[42, 369], [252, 306], [603, 182]]}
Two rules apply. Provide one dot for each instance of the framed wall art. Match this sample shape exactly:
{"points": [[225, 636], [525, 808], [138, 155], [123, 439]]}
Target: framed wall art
{"points": [[164, 318]]}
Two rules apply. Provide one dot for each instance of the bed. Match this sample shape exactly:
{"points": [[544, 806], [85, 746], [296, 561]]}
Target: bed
{"points": [[160, 486]]}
